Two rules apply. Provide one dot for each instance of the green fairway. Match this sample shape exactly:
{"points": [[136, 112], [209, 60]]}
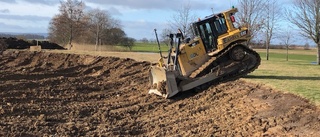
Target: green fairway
{"points": [[297, 75]]}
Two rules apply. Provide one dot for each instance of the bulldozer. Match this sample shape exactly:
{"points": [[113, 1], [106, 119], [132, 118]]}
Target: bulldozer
{"points": [[217, 53]]}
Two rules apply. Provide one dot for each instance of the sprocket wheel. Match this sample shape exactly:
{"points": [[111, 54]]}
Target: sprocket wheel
{"points": [[237, 53]]}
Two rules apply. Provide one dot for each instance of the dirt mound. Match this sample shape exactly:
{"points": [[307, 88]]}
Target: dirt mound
{"points": [[14, 43], [80, 95]]}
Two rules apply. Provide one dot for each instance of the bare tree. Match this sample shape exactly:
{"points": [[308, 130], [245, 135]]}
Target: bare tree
{"points": [[272, 14], [57, 30], [182, 20], [250, 15], [74, 11], [164, 36], [287, 38], [69, 21], [306, 16], [99, 21]]}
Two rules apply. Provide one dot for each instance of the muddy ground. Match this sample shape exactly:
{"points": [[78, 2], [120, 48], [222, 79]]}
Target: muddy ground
{"points": [[55, 94]]}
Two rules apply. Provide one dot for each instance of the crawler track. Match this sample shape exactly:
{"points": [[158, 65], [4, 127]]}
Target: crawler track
{"points": [[224, 62]]}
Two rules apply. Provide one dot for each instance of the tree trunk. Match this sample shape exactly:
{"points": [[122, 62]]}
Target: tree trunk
{"points": [[267, 53], [318, 53], [97, 41], [97, 37], [287, 52], [71, 36]]}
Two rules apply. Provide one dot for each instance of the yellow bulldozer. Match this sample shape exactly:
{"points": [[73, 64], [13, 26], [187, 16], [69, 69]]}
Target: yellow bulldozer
{"points": [[218, 52]]}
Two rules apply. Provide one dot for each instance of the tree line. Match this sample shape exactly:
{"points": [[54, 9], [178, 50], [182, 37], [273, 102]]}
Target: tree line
{"points": [[263, 17], [74, 24], [268, 20]]}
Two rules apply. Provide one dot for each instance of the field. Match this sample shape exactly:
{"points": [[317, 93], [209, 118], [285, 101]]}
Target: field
{"points": [[55, 93], [298, 75], [138, 47]]}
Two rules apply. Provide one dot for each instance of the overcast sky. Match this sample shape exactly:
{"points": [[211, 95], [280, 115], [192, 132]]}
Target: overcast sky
{"points": [[138, 17]]}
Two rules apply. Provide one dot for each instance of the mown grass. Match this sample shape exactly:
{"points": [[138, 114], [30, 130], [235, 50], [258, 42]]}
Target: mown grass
{"points": [[298, 75]]}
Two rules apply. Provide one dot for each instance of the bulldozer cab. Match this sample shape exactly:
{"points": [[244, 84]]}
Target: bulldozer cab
{"points": [[209, 30], [213, 28]]}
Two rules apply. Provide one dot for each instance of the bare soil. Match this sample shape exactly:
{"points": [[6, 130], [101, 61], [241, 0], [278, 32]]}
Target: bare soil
{"points": [[56, 94]]}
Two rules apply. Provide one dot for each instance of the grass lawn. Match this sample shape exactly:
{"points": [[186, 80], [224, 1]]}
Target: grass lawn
{"points": [[297, 75]]}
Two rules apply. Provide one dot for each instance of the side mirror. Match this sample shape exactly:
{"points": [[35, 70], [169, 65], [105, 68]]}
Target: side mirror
{"points": [[171, 36], [187, 40]]}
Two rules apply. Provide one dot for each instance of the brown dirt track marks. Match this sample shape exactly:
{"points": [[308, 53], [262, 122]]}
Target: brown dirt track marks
{"points": [[47, 94]]}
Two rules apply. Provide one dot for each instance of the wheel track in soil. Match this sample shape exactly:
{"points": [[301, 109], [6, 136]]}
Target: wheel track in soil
{"points": [[82, 95]]}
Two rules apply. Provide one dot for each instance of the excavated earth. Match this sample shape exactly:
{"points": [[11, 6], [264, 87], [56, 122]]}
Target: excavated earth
{"points": [[55, 94]]}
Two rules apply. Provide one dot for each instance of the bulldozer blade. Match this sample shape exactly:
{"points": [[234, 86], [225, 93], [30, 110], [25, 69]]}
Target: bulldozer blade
{"points": [[163, 82]]}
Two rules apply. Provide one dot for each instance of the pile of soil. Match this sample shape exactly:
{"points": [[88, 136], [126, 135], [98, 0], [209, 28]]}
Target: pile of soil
{"points": [[52, 94], [14, 43]]}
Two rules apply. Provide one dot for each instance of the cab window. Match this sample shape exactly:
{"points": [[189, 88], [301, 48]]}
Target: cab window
{"points": [[220, 25]]}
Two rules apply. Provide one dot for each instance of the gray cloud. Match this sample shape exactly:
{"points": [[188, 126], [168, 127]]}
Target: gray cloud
{"points": [[155, 4], [136, 4], [9, 28], [142, 4], [8, 1], [45, 2], [5, 28], [139, 4], [26, 17], [136, 29], [139, 29], [114, 11], [4, 11]]}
